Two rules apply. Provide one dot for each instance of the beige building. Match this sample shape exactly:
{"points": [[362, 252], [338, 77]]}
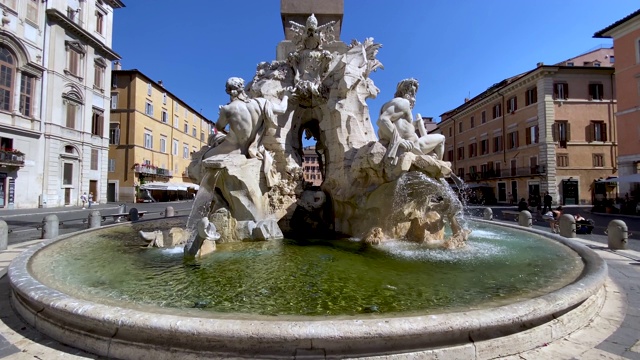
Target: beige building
{"points": [[626, 42], [549, 129], [55, 59], [152, 134], [311, 166]]}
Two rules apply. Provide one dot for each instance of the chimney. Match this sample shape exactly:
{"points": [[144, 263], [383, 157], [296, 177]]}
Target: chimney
{"points": [[466, 99], [160, 83], [117, 65], [539, 64]]}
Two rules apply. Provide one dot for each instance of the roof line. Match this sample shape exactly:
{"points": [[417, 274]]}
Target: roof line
{"points": [[115, 72], [601, 33]]}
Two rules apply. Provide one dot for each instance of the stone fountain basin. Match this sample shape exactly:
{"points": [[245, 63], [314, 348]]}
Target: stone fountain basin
{"points": [[123, 333]]}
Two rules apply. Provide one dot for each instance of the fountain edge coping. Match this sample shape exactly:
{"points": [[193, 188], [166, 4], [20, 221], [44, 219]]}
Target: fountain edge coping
{"points": [[50, 310]]}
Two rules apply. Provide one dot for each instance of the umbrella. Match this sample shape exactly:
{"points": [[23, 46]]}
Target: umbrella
{"points": [[633, 178]]}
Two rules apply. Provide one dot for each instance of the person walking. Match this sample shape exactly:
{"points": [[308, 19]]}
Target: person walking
{"points": [[84, 199], [547, 202], [90, 199]]}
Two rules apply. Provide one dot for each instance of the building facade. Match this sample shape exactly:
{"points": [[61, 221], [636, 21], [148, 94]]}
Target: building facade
{"points": [[626, 42], [311, 166], [55, 57], [549, 129], [152, 134]]}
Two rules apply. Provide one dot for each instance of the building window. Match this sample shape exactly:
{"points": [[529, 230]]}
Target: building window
{"points": [[7, 69], [533, 165], [612, 59], [451, 131], [570, 63], [163, 144], [99, 68], [194, 131], [148, 108], [75, 53], [94, 159], [97, 122], [473, 150], [148, 140], [598, 160], [186, 128], [561, 133], [560, 91], [174, 150], [114, 100], [99, 22], [532, 135], [72, 112], [164, 116], [450, 155], [26, 94], [472, 122], [149, 89], [201, 135], [185, 151], [484, 147], [483, 118], [67, 174], [496, 168], [461, 153], [176, 121], [562, 160], [114, 134], [497, 144], [512, 105], [512, 140], [112, 165], [11, 4], [497, 111], [164, 98], [460, 127], [531, 96], [598, 131], [596, 91], [461, 173], [32, 11]]}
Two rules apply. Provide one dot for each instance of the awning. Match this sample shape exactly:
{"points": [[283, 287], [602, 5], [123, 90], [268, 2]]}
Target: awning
{"points": [[169, 186], [633, 178]]}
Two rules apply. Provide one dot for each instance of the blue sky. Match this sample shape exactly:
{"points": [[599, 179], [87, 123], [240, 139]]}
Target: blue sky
{"points": [[455, 48]]}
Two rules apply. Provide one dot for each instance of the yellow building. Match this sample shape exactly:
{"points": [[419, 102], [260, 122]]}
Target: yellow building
{"points": [[152, 134]]}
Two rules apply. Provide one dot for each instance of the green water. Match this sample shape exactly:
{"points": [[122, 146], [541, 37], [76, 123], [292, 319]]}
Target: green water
{"points": [[312, 278]]}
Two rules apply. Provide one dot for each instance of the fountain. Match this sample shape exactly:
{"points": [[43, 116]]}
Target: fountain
{"points": [[390, 268]]}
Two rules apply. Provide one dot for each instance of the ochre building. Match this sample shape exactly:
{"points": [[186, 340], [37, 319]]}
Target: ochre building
{"points": [[152, 134], [549, 129]]}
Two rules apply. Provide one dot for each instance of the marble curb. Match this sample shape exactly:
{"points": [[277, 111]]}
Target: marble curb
{"points": [[479, 334]]}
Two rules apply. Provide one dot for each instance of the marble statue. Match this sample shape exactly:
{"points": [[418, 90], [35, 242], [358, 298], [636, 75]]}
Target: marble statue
{"points": [[250, 173], [397, 131]]}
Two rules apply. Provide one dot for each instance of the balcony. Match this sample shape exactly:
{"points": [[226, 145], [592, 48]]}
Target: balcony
{"points": [[505, 173], [9, 157], [152, 170]]}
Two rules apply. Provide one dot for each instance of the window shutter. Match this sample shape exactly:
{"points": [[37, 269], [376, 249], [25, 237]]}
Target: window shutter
{"points": [[537, 134], [528, 136], [568, 132], [566, 90], [517, 139], [101, 124], [604, 132], [554, 132], [555, 90], [117, 136], [515, 103], [589, 134]]}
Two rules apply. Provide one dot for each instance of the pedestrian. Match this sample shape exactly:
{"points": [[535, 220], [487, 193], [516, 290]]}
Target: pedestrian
{"points": [[83, 198], [512, 200], [547, 202], [90, 199], [522, 205], [554, 219]]}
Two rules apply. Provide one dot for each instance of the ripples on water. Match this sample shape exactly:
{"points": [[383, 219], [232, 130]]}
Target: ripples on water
{"points": [[312, 277]]}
